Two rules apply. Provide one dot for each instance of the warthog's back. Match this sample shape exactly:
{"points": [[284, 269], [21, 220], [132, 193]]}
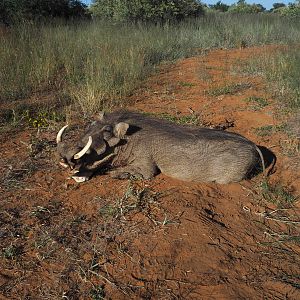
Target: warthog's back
{"points": [[186, 152]]}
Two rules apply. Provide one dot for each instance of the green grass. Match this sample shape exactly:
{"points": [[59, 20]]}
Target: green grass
{"points": [[12, 251], [264, 130], [270, 129], [277, 195], [183, 120], [186, 84], [257, 102], [229, 89], [281, 70], [96, 65]]}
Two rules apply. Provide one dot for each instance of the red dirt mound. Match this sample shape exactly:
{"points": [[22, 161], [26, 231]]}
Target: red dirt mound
{"points": [[158, 239]]}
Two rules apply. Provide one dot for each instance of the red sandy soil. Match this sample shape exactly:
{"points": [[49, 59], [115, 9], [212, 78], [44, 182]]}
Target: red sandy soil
{"points": [[158, 239]]}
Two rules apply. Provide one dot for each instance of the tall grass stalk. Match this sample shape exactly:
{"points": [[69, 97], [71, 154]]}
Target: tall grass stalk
{"points": [[96, 64], [281, 69]]}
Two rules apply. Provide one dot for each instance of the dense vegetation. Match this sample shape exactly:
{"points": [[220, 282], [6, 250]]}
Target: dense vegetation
{"points": [[12, 11], [146, 10], [242, 7], [15, 11], [96, 64]]}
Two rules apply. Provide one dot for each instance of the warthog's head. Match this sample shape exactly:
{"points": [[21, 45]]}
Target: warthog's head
{"points": [[91, 151]]}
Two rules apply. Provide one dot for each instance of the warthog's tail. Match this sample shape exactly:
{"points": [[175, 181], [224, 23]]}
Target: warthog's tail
{"points": [[272, 169], [262, 161]]}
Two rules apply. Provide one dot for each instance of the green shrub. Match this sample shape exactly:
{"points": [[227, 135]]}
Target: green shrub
{"points": [[241, 7], [146, 10], [290, 11], [12, 11]]}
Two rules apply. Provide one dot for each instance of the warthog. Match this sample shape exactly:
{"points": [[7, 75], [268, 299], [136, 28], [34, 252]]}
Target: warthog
{"points": [[131, 143]]}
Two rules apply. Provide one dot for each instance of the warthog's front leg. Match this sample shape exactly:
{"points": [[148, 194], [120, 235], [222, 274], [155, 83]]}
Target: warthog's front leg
{"points": [[123, 173], [145, 171]]}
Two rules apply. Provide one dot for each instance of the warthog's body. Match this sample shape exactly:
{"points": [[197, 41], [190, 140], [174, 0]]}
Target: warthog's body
{"points": [[149, 145]]}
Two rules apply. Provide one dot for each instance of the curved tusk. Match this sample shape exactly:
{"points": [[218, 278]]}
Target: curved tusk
{"points": [[60, 133], [85, 149]]}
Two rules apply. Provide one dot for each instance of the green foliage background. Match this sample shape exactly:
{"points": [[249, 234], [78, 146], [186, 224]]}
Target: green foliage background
{"points": [[12, 11], [243, 7], [146, 10]]}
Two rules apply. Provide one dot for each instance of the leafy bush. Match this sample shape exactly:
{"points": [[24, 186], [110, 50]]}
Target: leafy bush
{"points": [[242, 7], [12, 11], [292, 11], [219, 6], [146, 10]]}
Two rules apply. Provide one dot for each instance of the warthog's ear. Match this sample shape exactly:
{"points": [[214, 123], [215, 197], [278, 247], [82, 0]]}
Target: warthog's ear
{"points": [[120, 129], [119, 132]]}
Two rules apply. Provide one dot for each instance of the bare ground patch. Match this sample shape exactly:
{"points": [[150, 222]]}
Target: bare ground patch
{"points": [[158, 239]]}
